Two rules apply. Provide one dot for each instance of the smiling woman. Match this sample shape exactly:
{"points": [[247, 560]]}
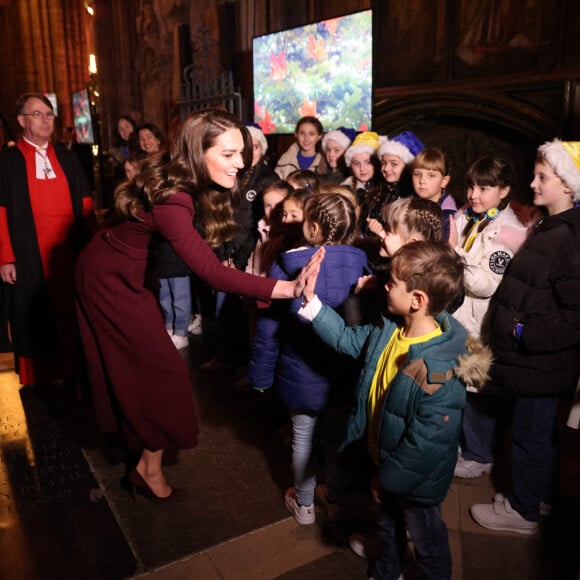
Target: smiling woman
{"points": [[140, 382]]}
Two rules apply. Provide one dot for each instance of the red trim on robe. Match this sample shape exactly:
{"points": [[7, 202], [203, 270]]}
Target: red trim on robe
{"points": [[53, 218], [6, 251]]}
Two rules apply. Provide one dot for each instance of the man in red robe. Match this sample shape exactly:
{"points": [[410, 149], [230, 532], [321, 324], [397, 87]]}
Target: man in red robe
{"points": [[46, 215]]}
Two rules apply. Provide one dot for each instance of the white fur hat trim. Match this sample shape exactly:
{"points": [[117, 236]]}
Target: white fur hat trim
{"points": [[337, 136], [563, 165], [395, 148], [259, 136]]}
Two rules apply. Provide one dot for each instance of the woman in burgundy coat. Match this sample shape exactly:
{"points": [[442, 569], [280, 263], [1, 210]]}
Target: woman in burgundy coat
{"points": [[140, 382]]}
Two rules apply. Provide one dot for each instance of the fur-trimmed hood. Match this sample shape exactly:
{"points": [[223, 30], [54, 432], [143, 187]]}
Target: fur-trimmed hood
{"points": [[473, 368]]}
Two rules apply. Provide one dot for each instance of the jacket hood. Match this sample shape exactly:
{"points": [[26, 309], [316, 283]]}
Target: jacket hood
{"points": [[471, 368]]}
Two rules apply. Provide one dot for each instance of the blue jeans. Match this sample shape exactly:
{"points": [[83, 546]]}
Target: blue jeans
{"points": [[175, 302], [427, 530], [534, 448], [480, 436], [303, 460], [534, 454]]}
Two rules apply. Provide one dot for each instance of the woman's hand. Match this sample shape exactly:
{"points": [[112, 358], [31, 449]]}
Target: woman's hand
{"points": [[295, 288], [306, 281]]}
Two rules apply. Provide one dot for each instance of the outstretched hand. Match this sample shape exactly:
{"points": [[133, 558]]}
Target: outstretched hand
{"points": [[376, 227], [306, 280], [295, 288]]}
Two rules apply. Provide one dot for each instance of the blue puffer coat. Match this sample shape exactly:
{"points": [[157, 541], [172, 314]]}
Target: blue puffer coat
{"points": [[286, 351], [421, 415]]}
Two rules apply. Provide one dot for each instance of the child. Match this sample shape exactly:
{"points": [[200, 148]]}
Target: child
{"points": [[395, 155], [334, 145], [408, 400], [269, 227], [304, 153], [303, 179], [360, 157], [130, 167], [293, 217], [430, 174], [286, 351], [407, 220], [489, 236], [534, 331]]}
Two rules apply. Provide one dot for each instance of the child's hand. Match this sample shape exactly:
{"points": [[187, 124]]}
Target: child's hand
{"points": [[365, 283], [376, 227], [376, 489], [453, 234], [306, 282], [309, 291]]}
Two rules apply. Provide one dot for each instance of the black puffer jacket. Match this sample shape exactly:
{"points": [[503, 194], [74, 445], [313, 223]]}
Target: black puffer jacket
{"points": [[541, 289]]}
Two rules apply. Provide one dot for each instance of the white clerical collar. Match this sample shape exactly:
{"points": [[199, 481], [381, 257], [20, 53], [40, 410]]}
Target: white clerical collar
{"points": [[43, 146]]}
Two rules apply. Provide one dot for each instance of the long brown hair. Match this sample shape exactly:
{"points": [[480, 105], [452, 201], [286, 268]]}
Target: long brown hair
{"points": [[183, 169]]}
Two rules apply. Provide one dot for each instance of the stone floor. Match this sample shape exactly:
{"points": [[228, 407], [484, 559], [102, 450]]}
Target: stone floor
{"points": [[64, 514]]}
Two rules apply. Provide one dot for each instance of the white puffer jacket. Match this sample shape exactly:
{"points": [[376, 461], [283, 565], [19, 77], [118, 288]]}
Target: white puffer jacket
{"points": [[486, 262]]}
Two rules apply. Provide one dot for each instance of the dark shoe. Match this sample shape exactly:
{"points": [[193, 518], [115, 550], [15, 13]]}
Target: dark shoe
{"points": [[137, 485]]}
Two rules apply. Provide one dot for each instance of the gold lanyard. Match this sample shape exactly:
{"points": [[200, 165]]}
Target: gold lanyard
{"points": [[470, 238]]}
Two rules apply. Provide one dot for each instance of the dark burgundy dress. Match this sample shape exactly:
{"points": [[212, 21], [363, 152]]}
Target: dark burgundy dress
{"points": [[140, 382]]}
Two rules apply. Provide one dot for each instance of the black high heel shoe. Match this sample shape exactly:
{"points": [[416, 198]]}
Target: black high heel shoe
{"points": [[137, 485]]}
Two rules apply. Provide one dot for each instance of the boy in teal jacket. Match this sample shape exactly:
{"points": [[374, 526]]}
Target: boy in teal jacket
{"points": [[409, 399]]}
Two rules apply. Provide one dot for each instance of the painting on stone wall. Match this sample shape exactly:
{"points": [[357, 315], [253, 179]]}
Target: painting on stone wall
{"points": [[427, 40], [498, 37]]}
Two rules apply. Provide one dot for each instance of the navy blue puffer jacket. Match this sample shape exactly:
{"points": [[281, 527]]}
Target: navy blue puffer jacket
{"points": [[286, 351]]}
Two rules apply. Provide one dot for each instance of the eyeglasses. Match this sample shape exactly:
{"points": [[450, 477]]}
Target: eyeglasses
{"points": [[38, 115]]}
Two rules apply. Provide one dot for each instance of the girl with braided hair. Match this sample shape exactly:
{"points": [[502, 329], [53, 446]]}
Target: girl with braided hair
{"points": [[409, 219], [287, 353]]}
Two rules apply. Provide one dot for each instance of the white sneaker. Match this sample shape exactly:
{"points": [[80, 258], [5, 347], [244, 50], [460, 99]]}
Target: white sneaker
{"points": [[195, 325], [180, 341], [169, 331], [545, 508], [303, 514], [500, 516], [471, 469]]}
